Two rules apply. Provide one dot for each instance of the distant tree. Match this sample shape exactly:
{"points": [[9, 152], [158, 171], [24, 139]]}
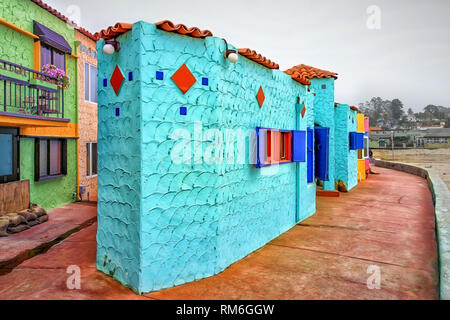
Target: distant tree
{"points": [[396, 109], [435, 112], [447, 123], [410, 112], [375, 108]]}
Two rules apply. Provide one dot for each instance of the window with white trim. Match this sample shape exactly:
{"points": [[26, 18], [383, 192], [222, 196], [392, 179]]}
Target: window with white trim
{"points": [[91, 159], [90, 82], [366, 147]]}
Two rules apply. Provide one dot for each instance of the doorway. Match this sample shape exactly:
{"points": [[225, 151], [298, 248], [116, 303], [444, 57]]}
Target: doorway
{"points": [[321, 150]]}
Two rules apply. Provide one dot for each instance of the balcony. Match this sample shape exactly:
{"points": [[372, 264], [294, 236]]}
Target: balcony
{"points": [[27, 93]]}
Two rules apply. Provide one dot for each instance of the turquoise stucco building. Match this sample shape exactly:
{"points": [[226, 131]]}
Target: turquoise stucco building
{"points": [[346, 156], [202, 159]]}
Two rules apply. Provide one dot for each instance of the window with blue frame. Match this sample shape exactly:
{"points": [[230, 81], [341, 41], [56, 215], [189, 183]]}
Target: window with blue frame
{"points": [[356, 140], [275, 146], [310, 155]]}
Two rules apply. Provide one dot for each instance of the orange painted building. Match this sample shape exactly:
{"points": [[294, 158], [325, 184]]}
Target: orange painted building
{"points": [[87, 117]]}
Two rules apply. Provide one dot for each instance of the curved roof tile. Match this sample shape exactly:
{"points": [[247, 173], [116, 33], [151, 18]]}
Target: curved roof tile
{"points": [[195, 32], [354, 108], [59, 15], [113, 31], [258, 58], [303, 73]]}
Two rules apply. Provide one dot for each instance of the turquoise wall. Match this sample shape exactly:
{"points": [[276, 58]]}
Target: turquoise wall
{"points": [[324, 117], [119, 166], [160, 223], [307, 191], [345, 159]]}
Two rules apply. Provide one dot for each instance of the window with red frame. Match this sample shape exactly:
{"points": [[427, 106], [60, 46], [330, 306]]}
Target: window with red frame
{"points": [[278, 146], [285, 146]]}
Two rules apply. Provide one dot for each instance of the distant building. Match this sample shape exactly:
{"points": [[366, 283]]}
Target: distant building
{"points": [[417, 138], [435, 138]]}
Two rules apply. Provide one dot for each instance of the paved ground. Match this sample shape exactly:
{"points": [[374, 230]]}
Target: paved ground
{"points": [[62, 221], [386, 221]]}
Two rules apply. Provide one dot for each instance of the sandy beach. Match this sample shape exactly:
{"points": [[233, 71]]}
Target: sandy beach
{"points": [[436, 159]]}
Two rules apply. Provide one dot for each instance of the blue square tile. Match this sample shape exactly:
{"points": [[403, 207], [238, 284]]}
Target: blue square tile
{"points": [[117, 112], [159, 75], [105, 82], [183, 111], [205, 81], [324, 86], [130, 76]]}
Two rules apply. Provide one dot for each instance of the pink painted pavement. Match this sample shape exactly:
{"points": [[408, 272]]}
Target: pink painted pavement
{"points": [[386, 221]]}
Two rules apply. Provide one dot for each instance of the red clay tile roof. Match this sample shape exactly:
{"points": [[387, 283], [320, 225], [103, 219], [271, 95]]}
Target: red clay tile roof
{"points": [[166, 25], [303, 73], [195, 32], [113, 31], [59, 15], [354, 108], [256, 57]]}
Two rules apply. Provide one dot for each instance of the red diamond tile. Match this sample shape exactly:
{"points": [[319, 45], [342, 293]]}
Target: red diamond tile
{"points": [[303, 111], [260, 96], [184, 78], [116, 80]]}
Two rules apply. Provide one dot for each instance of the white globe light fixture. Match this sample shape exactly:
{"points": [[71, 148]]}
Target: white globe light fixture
{"points": [[231, 55], [111, 46], [108, 49]]}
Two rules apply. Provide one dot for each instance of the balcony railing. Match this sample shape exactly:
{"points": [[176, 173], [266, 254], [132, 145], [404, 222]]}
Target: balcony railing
{"points": [[29, 92]]}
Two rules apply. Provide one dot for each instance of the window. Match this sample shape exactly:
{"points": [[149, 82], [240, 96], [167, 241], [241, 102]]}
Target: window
{"points": [[9, 146], [278, 146], [275, 146], [285, 146], [366, 146], [50, 159], [53, 56], [360, 154], [90, 83], [91, 159], [269, 144]]}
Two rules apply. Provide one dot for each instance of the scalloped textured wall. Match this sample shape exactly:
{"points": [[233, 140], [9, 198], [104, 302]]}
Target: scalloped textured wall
{"points": [[162, 224]]}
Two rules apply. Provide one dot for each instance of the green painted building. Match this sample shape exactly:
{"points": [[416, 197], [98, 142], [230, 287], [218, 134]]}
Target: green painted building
{"points": [[38, 117]]}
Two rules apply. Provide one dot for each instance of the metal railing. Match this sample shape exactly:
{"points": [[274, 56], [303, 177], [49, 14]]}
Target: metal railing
{"points": [[25, 93]]}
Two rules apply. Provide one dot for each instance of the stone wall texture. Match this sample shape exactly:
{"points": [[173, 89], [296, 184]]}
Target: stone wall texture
{"points": [[87, 119], [162, 223]]}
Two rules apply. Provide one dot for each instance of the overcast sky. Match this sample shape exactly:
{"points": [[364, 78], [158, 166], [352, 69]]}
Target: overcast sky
{"points": [[407, 58]]}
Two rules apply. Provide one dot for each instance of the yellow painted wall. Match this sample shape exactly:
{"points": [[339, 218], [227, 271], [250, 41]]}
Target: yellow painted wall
{"points": [[360, 122], [361, 170], [361, 163]]}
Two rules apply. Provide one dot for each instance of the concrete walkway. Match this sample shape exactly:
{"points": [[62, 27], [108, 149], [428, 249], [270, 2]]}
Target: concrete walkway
{"points": [[386, 222], [61, 223]]}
